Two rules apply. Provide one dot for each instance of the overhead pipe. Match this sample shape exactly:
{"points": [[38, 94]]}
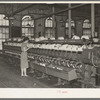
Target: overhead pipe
{"points": [[55, 13], [64, 10]]}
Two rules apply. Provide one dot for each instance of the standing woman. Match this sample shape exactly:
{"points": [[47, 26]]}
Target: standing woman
{"points": [[24, 59]]}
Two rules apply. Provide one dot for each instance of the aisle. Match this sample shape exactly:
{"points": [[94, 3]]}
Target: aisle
{"points": [[10, 78]]}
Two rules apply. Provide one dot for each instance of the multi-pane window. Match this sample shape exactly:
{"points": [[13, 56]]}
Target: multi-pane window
{"points": [[48, 22], [27, 26], [3, 22], [4, 33], [4, 29], [72, 27], [86, 27], [48, 27], [72, 23]]}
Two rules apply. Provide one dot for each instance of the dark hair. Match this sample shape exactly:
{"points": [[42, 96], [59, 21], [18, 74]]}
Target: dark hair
{"points": [[84, 40], [25, 39]]}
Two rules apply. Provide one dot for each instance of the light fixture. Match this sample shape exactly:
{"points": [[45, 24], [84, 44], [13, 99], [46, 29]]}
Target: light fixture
{"points": [[61, 20], [10, 15], [28, 24], [11, 18], [40, 24], [6, 14], [62, 25], [49, 18], [6, 18]]}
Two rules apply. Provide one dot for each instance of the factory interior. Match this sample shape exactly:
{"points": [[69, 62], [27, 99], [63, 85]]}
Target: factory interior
{"points": [[63, 46]]}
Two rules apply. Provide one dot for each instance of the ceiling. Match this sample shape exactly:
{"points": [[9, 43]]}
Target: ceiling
{"points": [[45, 9]]}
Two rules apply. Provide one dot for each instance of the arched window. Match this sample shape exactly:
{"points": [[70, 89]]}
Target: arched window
{"points": [[86, 24], [48, 27], [27, 26], [72, 24], [86, 27], [48, 22], [4, 29], [72, 27]]}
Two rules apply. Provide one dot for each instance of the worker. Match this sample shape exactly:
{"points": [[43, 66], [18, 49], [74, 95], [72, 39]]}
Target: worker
{"points": [[75, 37], [24, 59]]}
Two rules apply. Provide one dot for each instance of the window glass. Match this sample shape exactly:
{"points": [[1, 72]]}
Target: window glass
{"points": [[72, 23], [27, 26], [72, 29], [87, 27], [48, 22], [86, 24], [4, 29], [48, 28]]}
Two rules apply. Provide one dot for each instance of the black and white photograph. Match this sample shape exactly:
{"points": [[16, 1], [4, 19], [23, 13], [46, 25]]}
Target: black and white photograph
{"points": [[50, 45]]}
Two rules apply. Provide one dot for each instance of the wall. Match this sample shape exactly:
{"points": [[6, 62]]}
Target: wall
{"points": [[79, 30], [60, 30], [17, 21], [39, 29], [15, 27]]}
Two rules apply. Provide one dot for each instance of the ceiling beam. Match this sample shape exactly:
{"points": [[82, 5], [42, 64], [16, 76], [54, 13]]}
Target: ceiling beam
{"points": [[62, 11], [22, 9], [37, 13]]}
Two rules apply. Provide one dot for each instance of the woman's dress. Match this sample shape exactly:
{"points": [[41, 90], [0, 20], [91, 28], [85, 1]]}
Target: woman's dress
{"points": [[24, 59]]}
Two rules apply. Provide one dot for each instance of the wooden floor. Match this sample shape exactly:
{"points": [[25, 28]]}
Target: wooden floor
{"points": [[10, 78]]}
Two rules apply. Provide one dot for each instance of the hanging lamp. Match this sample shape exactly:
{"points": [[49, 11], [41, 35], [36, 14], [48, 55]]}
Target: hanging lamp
{"points": [[61, 20], [29, 18], [49, 18], [40, 24]]}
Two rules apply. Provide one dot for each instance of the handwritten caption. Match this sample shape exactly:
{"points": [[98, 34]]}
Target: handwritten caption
{"points": [[62, 91]]}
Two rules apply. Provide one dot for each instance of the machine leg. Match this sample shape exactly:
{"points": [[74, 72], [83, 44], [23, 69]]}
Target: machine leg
{"points": [[87, 77], [43, 76], [98, 76], [59, 82], [83, 75]]}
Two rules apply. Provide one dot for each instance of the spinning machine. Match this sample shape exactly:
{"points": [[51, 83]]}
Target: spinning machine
{"points": [[67, 60]]}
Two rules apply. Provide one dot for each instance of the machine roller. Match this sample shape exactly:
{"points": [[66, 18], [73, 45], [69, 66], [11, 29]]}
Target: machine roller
{"points": [[66, 60]]}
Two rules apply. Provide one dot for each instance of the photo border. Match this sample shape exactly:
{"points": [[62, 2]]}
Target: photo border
{"points": [[12, 92]]}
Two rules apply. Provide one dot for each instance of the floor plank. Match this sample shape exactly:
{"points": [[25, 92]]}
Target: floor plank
{"points": [[10, 78]]}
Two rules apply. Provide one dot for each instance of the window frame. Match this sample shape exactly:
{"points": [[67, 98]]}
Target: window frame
{"points": [[25, 27]]}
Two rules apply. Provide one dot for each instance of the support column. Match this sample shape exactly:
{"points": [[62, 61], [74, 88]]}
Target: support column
{"points": [[79, 27], [41, 27], [92, 20], [69, 21], [53, 22], [10, 28], [34, 28]]}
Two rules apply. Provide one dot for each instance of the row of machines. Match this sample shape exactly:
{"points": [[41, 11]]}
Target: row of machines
{"points": [[68, 60]]}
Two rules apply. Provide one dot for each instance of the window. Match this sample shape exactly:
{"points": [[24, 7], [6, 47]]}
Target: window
{"points": [[86, 24], [3, 22], [72, 27], [87, 27], [48, 28], [72, 24], [27, 26], [48, 22], [4, 29]]}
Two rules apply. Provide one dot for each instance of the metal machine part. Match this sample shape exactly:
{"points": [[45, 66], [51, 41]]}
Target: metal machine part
{"points": [[66, 60]]}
